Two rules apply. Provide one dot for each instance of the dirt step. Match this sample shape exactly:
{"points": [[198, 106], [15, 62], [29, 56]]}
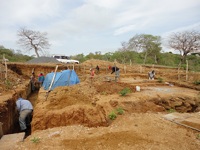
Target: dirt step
{"points": [[8, 141], [184, 120], [148, 84]]}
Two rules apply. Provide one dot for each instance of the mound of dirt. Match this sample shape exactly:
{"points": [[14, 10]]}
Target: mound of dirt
{"points": [[13, 80], [81, 116], [42, 60]]}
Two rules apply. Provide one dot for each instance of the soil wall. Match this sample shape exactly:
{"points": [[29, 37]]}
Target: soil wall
{"points": [[8, 112]]}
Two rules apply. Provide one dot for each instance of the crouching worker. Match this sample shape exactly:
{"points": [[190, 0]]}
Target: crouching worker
{"points": [[151, 75], [25, 110], [117, 72]]}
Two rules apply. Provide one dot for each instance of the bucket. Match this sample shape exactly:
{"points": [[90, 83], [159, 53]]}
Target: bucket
{"points": [[137, 88]]}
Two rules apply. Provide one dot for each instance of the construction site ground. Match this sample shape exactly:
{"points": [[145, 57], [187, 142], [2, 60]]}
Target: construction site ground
{"points": [[77, 117]]}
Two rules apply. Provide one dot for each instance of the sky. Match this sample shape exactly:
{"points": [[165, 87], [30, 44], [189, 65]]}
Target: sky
{"points": [[88, 26]]}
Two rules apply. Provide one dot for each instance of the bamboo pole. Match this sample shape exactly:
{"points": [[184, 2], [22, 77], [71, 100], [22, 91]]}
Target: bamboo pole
{"points": [[47, 93], [53, 78], [33, 70]]}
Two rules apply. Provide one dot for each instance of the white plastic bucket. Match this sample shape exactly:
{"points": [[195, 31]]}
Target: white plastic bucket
{"points": [[137, 88]]}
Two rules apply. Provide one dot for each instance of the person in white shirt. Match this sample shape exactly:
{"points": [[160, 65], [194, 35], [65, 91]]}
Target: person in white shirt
{"points": [[151, 75], [25, 109]]}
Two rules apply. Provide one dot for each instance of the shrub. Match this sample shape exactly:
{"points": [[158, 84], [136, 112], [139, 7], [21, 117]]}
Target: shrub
{"points": [[198, 136], [125, 91], [8, 84], [112, 115], [120, 111], [171, 110], [197, 82], [160, 80]]}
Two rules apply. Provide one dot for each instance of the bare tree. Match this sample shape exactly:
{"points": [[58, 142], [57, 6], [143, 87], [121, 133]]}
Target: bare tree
{"points": [[33, 40], [185, 42]]}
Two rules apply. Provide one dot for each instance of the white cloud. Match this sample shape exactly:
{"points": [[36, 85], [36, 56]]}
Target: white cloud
{"points": [[92, 25], [124, 29]]}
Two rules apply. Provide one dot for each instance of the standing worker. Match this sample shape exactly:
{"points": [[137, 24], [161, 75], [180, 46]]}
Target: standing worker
{"points": [[32, 82], [97, 68], [25, 109], [41, 79], [116, 70], [91, 73]]}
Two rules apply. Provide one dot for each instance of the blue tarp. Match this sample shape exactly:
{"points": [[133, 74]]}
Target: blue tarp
{"points": [[64, 78]]}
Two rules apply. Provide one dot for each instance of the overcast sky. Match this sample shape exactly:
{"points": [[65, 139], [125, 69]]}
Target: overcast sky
{"points": [[84, 26]]}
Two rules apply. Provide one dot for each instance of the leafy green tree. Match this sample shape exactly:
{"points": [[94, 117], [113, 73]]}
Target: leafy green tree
{"points": [[148, 44], [79, 57], [107, 56], [12, 56]]}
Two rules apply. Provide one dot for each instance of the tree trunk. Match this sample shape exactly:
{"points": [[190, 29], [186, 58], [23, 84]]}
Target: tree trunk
{"points": [[155, 60], [145, 57], [36, 51]]}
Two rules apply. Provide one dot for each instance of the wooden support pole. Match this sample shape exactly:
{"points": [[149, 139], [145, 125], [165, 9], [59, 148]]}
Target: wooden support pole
{"points": [[6, 74], [140, 69], [186, 70], [130, 62], [53, 78], [52, 81], [1, 130], [115, 72], [125, 69]]}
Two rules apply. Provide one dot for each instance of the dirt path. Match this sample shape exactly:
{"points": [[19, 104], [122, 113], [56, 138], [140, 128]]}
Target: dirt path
{"points": [[142, 125]]}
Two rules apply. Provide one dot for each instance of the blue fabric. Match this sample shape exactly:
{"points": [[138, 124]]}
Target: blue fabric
{"points": [[64, 78]]}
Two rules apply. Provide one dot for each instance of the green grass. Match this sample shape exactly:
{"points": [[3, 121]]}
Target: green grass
{"points": [[160, 80], [125, 91], [171, 110], [35, 140], [120, 111]]}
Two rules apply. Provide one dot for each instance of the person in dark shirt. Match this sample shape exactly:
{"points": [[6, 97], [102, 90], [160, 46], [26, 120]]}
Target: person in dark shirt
{"points": [[33, 80], [97, 68], [116, 70]]}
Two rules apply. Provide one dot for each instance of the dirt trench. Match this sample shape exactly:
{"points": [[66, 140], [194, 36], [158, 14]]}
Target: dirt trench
{"points": [[90, 106]]}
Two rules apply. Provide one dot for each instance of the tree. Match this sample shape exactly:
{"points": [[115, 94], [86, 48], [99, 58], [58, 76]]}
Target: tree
{"points": [[185, 42], [33, 40], [146, 43]]}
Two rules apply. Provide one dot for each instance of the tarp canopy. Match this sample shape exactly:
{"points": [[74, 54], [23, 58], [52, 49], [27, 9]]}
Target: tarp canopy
{"points": [[64, 78]]}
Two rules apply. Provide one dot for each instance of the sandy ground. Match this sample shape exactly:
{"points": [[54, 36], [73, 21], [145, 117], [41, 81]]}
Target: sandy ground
{"points": [[141, 126], [77, 117]]}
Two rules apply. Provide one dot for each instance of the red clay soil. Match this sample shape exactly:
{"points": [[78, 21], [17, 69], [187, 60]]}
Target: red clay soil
{"points": [[77, 117]]}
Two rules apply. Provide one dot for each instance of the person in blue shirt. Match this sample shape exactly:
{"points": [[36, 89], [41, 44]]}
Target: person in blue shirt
{"points": [[25, 109], [41, 79]]}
